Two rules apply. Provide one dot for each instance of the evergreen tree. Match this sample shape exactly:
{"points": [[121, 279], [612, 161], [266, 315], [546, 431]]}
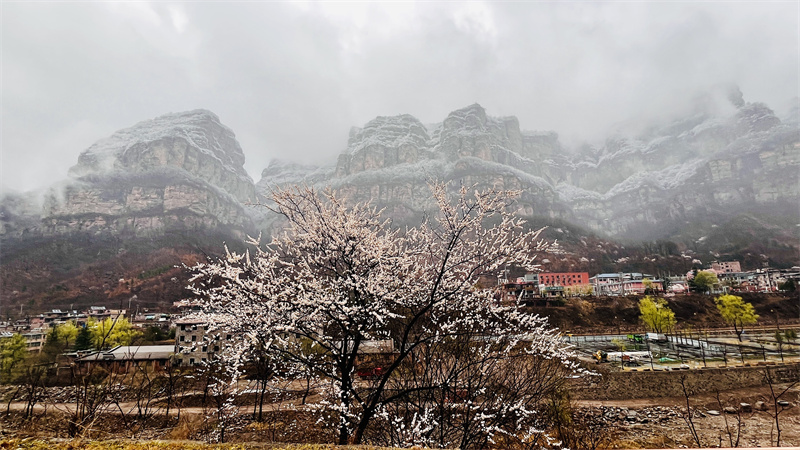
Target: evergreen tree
{"points": [[84, 339]]}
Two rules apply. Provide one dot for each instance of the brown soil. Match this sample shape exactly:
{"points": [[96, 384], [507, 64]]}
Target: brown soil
{"points": [[757, 427]]}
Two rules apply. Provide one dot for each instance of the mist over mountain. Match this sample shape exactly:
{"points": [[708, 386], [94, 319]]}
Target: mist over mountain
{"points": [[721, 161], [720, 182]]}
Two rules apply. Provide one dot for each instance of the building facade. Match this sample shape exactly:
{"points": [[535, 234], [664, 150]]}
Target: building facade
{"points": [[726, 267], [622, 283], [194, 344]]}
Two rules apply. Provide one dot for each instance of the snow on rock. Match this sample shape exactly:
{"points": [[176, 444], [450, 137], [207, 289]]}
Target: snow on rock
{"points": [[195, 141], [282, 173], [688, 164], [181, 171], [389, 132], [665, 179]]}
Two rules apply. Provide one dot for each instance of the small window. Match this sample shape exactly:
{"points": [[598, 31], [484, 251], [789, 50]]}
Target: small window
{"points": [[183, 338], [191, 361], [205, 348], [194, 338], [228, 337], [216, 348], [183, 327]]}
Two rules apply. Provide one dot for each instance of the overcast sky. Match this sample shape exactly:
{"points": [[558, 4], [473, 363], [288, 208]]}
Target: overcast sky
{"points": [[292, 78]]}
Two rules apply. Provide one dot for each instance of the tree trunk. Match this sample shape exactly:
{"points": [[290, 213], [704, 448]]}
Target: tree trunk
{"points": [[358, 436], [343, 435]]}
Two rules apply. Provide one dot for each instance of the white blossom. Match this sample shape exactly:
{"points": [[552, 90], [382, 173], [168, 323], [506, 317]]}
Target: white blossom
{"points": [[339, 276]]}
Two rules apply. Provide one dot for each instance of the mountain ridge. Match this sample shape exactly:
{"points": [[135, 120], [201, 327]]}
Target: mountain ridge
{"points": [[707, 186]]}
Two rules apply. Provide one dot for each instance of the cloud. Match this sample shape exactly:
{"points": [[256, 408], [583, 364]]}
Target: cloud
{"points": [[291, 78]]}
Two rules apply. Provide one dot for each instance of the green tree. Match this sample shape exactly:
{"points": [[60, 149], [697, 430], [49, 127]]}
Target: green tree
{"points": [[704, 281], [656, 315], [736, 312], [54, 344], [788, 286], [13, 351], [62, 336], [111, 332], [648, 286], [153, 334], [83, 341], [68, 332]]}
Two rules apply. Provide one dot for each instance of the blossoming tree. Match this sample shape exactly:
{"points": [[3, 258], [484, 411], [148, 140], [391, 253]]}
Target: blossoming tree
{"points": [[339, 277]]}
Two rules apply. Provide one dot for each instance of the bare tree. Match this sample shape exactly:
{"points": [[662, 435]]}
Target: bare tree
{"points": [[467, 392], [175, 383], [776, 394], [573, 428], [688, 416], [734, 435]]}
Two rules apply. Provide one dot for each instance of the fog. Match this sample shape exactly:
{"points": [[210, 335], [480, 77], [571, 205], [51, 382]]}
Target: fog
{"points": [[292, 78]]}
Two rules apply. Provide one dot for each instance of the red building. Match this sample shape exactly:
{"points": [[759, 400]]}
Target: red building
{"points": [[564, 279]]}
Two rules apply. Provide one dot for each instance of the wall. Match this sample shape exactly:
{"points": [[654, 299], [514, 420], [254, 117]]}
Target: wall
{"points": [[629, 385]]}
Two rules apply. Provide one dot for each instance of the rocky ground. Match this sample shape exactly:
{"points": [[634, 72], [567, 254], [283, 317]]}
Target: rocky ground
{"points": [[739, 415]]}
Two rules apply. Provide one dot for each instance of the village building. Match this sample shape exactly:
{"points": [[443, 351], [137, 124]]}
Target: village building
{"points": [[123, 359], [726, 267], [101, 313], [194, 344], [34, 339], [622, 283], [738, 281], [541, 289], [563, 284]]}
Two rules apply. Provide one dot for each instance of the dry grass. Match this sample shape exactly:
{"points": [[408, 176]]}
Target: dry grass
{"points": [[37, 444]]}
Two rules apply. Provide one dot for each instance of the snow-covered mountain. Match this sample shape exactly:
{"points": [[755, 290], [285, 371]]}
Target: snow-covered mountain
{"points": [[185, 172], [707, 166], [170, 190], [177, 172]]}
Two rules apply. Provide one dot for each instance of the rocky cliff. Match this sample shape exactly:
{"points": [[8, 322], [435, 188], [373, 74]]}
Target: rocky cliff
{"points": [[177, 172], [709, 166], [390, 160], [184, 172], [170, 190], [704, 166]]}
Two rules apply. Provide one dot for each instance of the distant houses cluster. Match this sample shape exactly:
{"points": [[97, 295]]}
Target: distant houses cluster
{"points": [[732, 278], [195, 344], [35, 328], [543, 288]]}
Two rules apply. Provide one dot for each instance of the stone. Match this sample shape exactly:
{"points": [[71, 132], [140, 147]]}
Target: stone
{"points": [[712, 412], [760, 406], [729, 410], [745, 407]]}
